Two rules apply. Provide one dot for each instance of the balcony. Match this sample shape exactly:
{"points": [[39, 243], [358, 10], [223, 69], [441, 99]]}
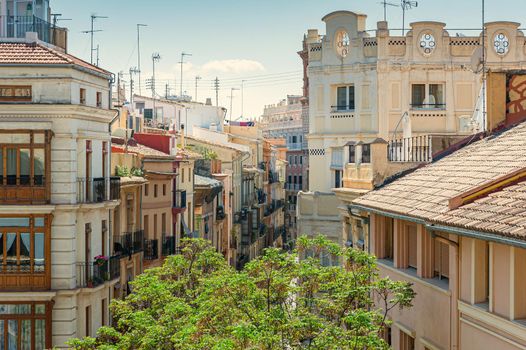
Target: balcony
{"points": [[262, 196], [169, 246], [273, 177], [128, 243], [151, 249], [293, 187], [179, 201], [91, 275], [220, 213], [115, 267], [18, 26], [94, 190], [425, 148], [24, 189], [294, 146]]}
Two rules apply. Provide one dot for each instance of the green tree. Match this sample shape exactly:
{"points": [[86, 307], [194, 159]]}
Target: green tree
{"points": [[280, 300]]}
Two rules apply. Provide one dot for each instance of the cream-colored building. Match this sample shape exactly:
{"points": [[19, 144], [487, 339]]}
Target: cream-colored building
{"points": [[56, 196], [414, 95], [455, 229]]}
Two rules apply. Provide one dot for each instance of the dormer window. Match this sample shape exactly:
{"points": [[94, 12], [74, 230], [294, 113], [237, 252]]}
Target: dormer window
{"points": [[366, 153]]}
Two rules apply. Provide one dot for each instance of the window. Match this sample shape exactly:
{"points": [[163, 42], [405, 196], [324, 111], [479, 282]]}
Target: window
{"points": [[295, 179], [295, 159], [366, 153], [182, 176], [82, 96], [23, 245], [155, 191], [163, 223], [345, 98], [146, 225], [412, 242], [155, 226], [140, 106], [301, 159], [89, 152], [104, 157], [23, 159], [146, 188], [481, 272], [300, 180], [427, 96], [164, 189], [294, 139], [99, 99], [22, 325], [352, 154], [104, 307], [441, 263], [388, 237], [88, 320], [407, 342], [290, 179], [104, 231], [337, 178]]}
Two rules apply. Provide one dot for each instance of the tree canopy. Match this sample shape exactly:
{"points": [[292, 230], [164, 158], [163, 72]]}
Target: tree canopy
{"points": [[280, 300]]}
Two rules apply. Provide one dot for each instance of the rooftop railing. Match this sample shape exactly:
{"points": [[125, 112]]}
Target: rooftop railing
{"points": [[18, 26]]}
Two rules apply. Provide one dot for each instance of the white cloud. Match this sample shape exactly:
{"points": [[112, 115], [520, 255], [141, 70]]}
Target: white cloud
{"points": [[233, 66]]}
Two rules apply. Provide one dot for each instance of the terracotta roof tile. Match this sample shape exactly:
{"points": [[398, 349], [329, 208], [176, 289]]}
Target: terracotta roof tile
{"points": [[36, 54], [425, 193]]}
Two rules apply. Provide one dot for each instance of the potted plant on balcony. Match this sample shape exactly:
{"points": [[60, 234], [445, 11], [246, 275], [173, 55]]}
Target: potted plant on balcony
{"points": [[100, 260]]}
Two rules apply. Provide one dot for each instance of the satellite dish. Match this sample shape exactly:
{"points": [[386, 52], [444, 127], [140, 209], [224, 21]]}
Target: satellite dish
{"points": [[477, 60]]}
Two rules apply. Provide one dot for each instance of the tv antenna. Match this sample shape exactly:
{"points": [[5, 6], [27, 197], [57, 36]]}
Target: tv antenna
{"points": [[385, 4], [406, 5], [91, 31]]}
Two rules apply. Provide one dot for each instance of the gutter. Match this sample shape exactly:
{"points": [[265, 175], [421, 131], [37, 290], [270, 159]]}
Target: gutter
{"points": [[448, 229]]}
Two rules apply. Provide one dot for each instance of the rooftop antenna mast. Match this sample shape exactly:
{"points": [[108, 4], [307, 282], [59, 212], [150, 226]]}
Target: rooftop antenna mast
{"points": [[385, 3], [406, 5], [93, 18], [183, 54], [139, 25]]}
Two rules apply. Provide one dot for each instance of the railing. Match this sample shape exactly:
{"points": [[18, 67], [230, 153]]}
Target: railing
{"points": [[342, 108], [151, 249], [273, 176], [90, 275], [169, 246], [294, 146], [293, 187], [220, 212], [115, 267], [94, 190], [179, 199], [292, 207], [115, 188], [274, 206], [262, 196], [23, 189], [428, 106], [128, 243], [280, 231], [18, 26], [411, 149]]}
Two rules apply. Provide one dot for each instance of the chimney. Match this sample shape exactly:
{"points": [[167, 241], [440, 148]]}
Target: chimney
{"points": [[32, 37], [208, 101]]}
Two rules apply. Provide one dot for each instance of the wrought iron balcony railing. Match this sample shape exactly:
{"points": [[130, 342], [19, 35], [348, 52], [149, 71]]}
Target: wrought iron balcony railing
{"points": [[128, 243], [18, 26]]}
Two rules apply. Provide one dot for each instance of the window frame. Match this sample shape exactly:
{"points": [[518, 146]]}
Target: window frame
{"points": [[349, 104], [366, 153], [33, 316], [425, 105]]}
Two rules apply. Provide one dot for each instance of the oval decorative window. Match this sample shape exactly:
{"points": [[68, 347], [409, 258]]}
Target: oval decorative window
{"points": [[501, 44], [343, 43], [427, 43]]}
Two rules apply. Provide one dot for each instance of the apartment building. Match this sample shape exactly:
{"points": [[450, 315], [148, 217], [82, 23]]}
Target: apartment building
{"points": [[286, 120], [56, 196], [415, 95], [455, 229], [175, 114]]}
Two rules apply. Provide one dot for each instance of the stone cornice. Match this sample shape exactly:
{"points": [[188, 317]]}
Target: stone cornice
{"points": [[46, 111]]}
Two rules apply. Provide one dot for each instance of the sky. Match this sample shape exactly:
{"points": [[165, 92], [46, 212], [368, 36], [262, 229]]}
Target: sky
{"points": [[244, 43]]}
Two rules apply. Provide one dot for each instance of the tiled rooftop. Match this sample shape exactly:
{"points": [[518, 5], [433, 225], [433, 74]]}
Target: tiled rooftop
{"points": [[35, 54], [426, 192]]}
